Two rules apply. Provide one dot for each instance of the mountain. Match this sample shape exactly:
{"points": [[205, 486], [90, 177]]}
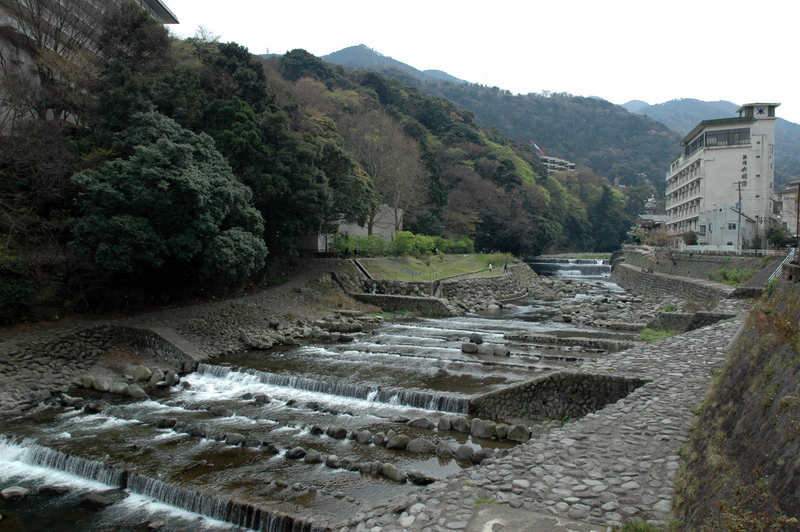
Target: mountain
{"points": [[362, 57], [636, 138], [683, 114], [633, 106], [587, 131]]}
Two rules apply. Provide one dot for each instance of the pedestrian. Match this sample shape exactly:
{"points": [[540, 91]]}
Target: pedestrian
{"points": [[490, 266], [505, 268]]}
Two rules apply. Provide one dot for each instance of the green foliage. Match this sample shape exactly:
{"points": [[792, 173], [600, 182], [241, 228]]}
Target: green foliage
{"points": [[654, 335], [778, 235], [169, 212], [733, 276], [405, 244]]}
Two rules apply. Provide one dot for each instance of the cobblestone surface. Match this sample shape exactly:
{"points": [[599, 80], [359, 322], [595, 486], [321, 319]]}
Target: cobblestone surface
{"points": [[605, 469]]}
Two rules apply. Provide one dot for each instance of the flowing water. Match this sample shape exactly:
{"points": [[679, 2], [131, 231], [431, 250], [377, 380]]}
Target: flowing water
{"points": [[276, 400]]}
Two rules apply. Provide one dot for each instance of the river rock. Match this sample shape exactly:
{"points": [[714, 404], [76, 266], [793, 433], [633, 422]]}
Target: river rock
{"points": [[476, 338], [391, 472], [421, 422], [469, 347], [415, 476], [14, 493], [398, 442], [501, 431], [118, 387], [501, 351], [379, 439], [485, 349], [262, 399], [420, 445], [312, 457], [166, 422], [134, 390], [482, 429], [220, 411], [482, 454], [101, 384], [142, 373], [460, 424], [364, 437], [444, 423], [338, 433], [333, 461], [234, 438], [295, 453], [316, 430], [463, 452], [444, 450], [519, 433]]}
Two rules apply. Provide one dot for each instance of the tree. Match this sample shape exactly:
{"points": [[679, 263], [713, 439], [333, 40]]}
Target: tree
{"points": [[779, 236], [167, 213], [391, 158], [609, 220], [59, 37]]}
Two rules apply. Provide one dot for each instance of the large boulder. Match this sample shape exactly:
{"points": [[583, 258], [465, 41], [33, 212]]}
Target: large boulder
{"points": [[135, 391], [444, 450], [463, 452], [391, 472], [460, 424], [398, 442], [234, 438], [476, 338], [469, 347], [142, 373], [364, 437], [421, 445], [295, 453], [519, 433], [415, 476], [421, 422], [482, 429]]}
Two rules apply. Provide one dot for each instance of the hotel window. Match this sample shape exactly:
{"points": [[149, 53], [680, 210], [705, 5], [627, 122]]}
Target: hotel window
{"points": [[731, 227]]}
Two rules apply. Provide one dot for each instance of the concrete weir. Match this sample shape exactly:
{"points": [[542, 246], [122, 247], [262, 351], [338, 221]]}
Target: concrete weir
{"points": [[603, 469]]}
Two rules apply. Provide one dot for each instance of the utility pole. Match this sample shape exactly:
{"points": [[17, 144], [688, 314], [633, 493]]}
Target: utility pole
{"points": [[740, 184]]}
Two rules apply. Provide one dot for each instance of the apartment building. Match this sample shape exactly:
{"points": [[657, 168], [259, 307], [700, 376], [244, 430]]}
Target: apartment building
{"points": [[722, 185]]}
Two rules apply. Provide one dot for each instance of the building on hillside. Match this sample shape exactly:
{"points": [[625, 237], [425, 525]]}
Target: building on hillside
{"points": [[554, 164], [727, 167], [651, 223], [382, 226], [54, 21]]}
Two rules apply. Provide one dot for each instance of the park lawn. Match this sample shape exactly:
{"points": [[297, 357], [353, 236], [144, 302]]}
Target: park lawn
{"points": [[432, 268]]}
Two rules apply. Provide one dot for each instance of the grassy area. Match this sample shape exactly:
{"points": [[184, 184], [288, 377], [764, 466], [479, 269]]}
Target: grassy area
{"points": [[435, 267], [653, 335]]}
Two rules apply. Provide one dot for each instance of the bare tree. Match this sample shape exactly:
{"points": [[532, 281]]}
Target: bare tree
{"points": [[391, 158], [59, 37]]}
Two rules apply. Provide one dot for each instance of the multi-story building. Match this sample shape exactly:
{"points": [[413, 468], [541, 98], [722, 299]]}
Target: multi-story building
{"points": [[62, 26], [726, 171]]}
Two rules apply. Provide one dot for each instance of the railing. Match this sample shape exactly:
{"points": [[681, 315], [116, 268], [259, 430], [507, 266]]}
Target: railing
{"points": [[789, 258]]}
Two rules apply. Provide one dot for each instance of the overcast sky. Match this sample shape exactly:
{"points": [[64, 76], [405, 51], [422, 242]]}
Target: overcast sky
{"points": [[619, 50]]}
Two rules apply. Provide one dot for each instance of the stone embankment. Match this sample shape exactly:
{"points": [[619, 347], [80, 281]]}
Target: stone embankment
{"points": [[645, 281], [607, 468]]}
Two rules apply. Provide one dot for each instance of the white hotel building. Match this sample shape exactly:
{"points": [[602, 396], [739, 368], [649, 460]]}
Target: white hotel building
{"points": [[722, 185]]}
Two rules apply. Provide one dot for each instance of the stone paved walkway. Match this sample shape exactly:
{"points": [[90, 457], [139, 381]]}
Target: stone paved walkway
{"points": [[608, 468]]}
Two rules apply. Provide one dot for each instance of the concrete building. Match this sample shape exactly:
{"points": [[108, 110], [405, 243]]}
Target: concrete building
{"points": [[383, 226], [64, 24], [726, 164]]}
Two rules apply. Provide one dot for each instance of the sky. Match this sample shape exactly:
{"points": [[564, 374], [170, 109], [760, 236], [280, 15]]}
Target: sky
{"points": [[618, 50]]}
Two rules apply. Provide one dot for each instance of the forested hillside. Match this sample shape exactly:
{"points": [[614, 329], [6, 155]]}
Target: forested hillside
{"points": [[159, 169], [592, 132]]}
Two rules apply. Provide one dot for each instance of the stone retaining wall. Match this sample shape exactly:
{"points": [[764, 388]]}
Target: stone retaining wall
{"points": [[687, 321], [150, 343], [428, 306], [511, 285], [562, 395], [634, 279]]}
